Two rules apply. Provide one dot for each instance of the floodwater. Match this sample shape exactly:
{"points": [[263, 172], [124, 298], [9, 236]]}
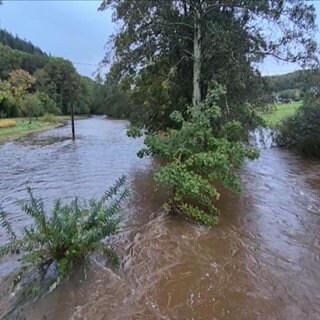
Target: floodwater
{"points": [[261, 262]]}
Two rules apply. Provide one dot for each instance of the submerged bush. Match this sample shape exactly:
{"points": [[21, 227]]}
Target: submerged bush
{"points": [[302, 130], [203, 150], [68, 235]]}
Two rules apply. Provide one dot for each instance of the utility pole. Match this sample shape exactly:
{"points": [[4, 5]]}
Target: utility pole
{"points": [[72, 122]]}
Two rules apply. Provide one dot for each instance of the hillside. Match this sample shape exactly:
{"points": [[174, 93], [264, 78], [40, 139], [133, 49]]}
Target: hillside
{"points": [[301, 80], [15, 42], [33, 83]]}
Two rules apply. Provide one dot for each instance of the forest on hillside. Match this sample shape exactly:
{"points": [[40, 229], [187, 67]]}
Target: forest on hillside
{"points": [[293, 85], [33, 83]]}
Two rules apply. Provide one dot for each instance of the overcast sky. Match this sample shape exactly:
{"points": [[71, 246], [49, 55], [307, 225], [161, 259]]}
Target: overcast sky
{"points": [[76, 31]]}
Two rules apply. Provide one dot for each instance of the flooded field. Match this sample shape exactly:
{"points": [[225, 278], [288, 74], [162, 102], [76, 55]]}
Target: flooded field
{"points": [[261, 262]]}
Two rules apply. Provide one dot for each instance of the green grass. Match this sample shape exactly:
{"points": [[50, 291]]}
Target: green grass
{"points": [[23, 128], [281, 111]]}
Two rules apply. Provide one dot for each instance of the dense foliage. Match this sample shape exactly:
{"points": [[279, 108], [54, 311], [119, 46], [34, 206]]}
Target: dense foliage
{"points": [[13, 59], [55, 83], [171, 52], [15, 42], [68, 234], [301, 80], [201, 151], [302, 130], [293, 86], [290, 94], [111, 98]]}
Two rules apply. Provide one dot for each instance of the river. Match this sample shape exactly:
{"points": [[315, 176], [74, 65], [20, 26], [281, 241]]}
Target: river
{"points": [[261, 262]]}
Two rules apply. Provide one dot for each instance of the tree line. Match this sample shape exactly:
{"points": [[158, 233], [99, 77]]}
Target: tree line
{"points": [[293, 85], [33, 83]]}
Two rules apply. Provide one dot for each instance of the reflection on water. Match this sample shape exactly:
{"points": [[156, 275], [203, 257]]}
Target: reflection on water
{"points": [[260, 262]]}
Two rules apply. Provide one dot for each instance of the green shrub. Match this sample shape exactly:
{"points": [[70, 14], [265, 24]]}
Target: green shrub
{"points": [[9, 107], [68, 235], [201, 151], [49, 117], [301, 131]]}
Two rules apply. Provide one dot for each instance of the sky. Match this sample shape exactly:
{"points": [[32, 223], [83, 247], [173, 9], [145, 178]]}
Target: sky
{"points": [[74, 30], [77, 31]]}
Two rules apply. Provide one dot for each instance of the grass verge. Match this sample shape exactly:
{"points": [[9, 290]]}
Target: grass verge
{"points": [[281, 111], [23, 127], [7, 123]]}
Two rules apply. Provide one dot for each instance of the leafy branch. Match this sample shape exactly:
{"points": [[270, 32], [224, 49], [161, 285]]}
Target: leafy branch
{"points": [[67, 235]]}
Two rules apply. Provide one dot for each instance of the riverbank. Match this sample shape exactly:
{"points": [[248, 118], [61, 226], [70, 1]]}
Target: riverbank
{"points": [[23, 128]]}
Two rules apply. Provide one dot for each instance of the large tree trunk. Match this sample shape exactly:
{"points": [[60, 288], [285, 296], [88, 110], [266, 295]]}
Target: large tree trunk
{"points": [[197, 58]]}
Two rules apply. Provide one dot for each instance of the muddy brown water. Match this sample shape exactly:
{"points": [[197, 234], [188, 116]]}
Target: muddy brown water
{"points": [[261, 262]]}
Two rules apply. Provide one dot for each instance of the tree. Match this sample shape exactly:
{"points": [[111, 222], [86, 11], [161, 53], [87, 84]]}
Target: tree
{"points": [[174, 51], [48, 105], [10, 60], [61, 89], [301, 79], [98, 98], [14, 42], [60, 81], [6, 103], [290, 94], [31, 106], [21, 82], [200, 151], [301, 131], [4, 90], [210, 40], [116, 98]]}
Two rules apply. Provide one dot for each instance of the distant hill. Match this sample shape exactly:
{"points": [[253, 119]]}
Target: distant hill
{"points": [[13, 59], [14, 42], [44, 80], [302, 80]]}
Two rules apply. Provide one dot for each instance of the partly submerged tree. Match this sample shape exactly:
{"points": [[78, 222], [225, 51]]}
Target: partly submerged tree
{"points": [[188, 43], [173, 51], [201, 151]]}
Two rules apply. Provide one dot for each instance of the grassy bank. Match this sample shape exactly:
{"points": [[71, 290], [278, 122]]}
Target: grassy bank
{"points": [[281, 111], [23, 127]]}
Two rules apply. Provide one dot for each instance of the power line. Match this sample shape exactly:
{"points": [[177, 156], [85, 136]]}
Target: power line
{"points": [[86, 64]]}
